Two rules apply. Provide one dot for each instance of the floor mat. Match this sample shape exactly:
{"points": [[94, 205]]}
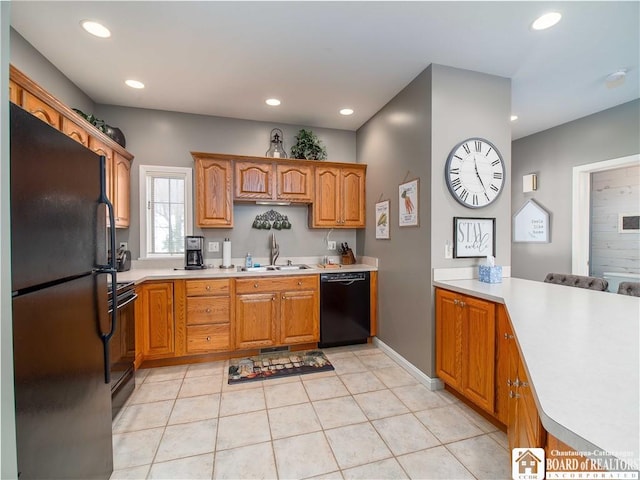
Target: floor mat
{"points": [[277, 365]]}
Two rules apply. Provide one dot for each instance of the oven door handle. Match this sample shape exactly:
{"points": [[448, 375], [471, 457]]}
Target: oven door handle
{"points": [[129, 300]]}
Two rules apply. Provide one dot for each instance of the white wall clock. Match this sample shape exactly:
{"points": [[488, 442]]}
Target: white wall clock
{"points": [[475, 172]]}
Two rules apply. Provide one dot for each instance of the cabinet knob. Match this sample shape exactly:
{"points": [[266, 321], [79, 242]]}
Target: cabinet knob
{"points": [[508, 336], [455, 301], [462, 304], [208, 339], [208, 287], [283, 297], [300, 282], [513, 395], [208, 310], [255, 285]]}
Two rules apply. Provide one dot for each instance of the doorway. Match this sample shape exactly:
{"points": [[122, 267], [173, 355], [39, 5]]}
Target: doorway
{"points": [[581, 211]]}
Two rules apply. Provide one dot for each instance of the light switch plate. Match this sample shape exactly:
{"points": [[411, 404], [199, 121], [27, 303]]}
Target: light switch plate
{"points": [[214, 246], [331, 245]]}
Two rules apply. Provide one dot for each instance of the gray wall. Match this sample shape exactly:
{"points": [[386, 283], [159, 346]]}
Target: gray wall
{"points": [[8, 465], [413, 134], [167, 138], [552, 154], [395, 142], [614, 192], [31, 62]]}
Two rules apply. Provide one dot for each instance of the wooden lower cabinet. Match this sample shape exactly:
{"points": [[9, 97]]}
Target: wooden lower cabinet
{"points": [[156, 319], [278, 311], [465, 346]]}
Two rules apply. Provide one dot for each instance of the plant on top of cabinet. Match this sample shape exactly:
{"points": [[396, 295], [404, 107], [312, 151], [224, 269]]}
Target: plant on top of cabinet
{"points": [[308, 146]]}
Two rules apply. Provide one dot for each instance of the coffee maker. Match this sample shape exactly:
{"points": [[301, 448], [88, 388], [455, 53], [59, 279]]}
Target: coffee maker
{"points": [[193, 253]]}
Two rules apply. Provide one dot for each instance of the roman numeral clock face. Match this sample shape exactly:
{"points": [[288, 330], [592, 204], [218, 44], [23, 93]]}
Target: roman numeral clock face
{"points": [[475, 173]]}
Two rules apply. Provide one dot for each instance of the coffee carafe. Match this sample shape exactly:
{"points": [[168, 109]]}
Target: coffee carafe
{"points": [[193, 253]]}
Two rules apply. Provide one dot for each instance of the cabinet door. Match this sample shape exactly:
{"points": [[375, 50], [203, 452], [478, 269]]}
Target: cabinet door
{"points": [[448, 339], [121, 190], [158, 324], [326, 205], [353, 197], [504, 339], [294, 183], [14, 93], [213, 193], [256, 320], [478, 351], [38, 108], [253, 180], [299, 317], [75, 131]]}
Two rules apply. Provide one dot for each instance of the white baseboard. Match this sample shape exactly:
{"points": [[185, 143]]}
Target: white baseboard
{"points": [[427, 381]]}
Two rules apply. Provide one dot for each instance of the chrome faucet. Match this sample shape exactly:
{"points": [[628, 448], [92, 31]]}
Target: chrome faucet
{"points": [[275, 250]]}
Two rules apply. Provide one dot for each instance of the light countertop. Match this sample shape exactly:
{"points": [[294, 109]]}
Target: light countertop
{"points": [[139, 275], [580, 348]]}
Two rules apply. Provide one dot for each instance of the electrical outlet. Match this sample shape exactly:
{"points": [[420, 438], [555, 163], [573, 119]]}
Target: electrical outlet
{"points": [[124, 245], [331, 245], [214, 246]]}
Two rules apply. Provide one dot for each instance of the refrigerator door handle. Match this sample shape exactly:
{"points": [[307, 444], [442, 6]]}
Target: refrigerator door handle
{"points": [[109, 269]]}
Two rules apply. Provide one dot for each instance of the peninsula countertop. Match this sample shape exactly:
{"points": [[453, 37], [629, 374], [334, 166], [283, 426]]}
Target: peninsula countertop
{"points": [[581, 350]]}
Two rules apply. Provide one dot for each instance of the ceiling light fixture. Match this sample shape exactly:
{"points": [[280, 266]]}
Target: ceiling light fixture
{"points": [[547, 20], [346, 111], [272, 102], [616, 78], [514, 118], [96, 29], [134, 84]]}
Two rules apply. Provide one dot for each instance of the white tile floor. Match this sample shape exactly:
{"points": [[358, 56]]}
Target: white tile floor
{"points": [[368, 419]]}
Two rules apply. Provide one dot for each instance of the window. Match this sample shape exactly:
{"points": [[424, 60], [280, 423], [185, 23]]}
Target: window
{"points": [[165, 210]]}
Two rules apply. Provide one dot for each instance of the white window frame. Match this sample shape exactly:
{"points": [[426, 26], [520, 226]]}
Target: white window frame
{"points": [[145, 174]]}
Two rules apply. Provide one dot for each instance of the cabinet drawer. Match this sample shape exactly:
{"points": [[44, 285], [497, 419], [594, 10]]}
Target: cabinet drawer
{"points": [[276, 284], [203, 338], [197, 288], [201, 310]]}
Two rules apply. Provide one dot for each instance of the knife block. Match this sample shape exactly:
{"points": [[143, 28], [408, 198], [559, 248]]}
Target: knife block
{"points": [[348, 258]]}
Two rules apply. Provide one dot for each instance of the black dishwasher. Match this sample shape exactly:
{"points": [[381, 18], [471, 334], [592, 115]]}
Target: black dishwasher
{"points": [[344, 308]]}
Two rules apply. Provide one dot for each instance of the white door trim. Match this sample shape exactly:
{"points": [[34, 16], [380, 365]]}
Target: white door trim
{"points": [[581, 208]]}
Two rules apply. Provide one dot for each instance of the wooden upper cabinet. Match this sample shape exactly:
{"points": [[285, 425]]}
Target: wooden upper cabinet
{"points": [[121, 190], [14, 93], [353, 197], [214, 204], [273, 181], [253, 180], [75, 131], [339, 199], [294, 183], [40, 109]]}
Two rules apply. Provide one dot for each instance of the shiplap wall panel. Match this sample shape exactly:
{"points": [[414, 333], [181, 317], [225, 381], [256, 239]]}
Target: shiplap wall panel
{"points": [[614, 192]]}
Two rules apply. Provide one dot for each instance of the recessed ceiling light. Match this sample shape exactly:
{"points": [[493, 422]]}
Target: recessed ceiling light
{"points": [[514, 118], [134, 84], [273, 102], [547, 20], [96, 29], [346, 111]]}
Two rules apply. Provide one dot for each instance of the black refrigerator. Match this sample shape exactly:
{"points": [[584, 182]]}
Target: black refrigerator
{"points": [[61, 327]]}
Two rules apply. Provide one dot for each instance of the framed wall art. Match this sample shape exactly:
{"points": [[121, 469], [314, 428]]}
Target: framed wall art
{"points": [[474, 237], [382, 220], [531, 224], [408, 203]]}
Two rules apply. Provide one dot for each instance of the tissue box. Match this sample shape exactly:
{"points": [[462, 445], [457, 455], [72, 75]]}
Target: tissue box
{"points": [[489, 274]]}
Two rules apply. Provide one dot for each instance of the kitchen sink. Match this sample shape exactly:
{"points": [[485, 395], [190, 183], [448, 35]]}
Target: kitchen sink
{"points": [[272, 268], [291, 267]]}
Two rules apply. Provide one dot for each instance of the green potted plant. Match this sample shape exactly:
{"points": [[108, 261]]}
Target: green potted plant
{"points": [[308, 146]]}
